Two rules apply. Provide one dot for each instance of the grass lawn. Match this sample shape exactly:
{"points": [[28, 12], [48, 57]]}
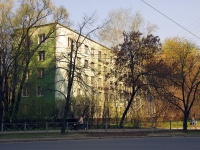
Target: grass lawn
{"points": [[38, 135]]}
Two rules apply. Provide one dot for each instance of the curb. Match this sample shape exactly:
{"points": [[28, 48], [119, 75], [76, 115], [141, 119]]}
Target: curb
{"points": [[87, 138]]}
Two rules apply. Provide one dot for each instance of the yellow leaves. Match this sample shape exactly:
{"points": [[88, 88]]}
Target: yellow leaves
{"points": [[177, 49], [183, 56], [6, 4], [5, 8], [38, 12]]}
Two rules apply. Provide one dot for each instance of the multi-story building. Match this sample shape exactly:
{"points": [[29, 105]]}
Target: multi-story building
{"points": [[44, 93]]}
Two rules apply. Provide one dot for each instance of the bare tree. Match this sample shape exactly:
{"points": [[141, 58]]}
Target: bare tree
{"points": [[123, 20], [72, 69], [5, 50], [23, 30]]}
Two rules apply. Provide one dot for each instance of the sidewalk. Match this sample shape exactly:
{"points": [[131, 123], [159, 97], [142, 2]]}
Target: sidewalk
{"points": [[95, 134]]}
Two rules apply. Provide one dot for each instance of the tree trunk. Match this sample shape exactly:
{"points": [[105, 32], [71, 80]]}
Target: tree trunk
{"points": [[15, 108], [6, 116], [126, 110], [66, 112], [69, 87], [1, 101], [185, 120]]}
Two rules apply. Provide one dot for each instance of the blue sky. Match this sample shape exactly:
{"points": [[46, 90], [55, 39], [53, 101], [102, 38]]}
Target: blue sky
{"points": [[186, 13]]}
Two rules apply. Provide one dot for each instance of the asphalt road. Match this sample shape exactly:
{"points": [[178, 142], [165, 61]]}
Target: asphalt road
{"points": [[147, 143]]}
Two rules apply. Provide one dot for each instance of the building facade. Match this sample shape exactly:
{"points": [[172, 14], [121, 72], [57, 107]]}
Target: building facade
{"points": [[44, 93]]}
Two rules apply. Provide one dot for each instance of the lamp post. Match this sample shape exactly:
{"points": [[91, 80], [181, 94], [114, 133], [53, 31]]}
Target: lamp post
{"points": [[150, 98]]}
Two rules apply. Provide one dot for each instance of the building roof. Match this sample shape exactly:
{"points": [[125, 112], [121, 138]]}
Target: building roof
{"points": [[74, 32]]}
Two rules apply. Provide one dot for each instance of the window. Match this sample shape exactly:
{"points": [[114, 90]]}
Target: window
{"points": [[27, 75], [41, 56], [100, 96], [105, 69], [86, 49], [25, 108], [92, 80], [111, 85], [70, 41], [78, 60], [99, 69], [78, 77], [41, 38], [86, 63], [99, 82], [86, 78], [105, 59], [27, 40], [92, 51], [78, 45], [78, 91], [40, 73], [25, 92], [99, 55], [92, 66], [120, 86], [106, 96], [111, 59], [40, 91]]}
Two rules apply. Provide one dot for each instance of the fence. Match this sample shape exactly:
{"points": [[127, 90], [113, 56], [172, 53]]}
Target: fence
{"points": [[91, 126]]}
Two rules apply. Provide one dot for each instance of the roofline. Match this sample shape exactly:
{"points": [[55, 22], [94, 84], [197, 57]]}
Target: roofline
{"points": [[83, 36], [74, 32]]}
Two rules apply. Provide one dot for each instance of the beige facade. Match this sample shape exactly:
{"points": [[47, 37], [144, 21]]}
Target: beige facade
{"points": [[93, 63]]}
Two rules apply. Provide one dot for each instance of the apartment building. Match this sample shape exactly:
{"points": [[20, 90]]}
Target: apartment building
{"points": [[44, 93]]}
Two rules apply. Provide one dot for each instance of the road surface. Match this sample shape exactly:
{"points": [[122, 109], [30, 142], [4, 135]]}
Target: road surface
{"points": [[147, 143]]}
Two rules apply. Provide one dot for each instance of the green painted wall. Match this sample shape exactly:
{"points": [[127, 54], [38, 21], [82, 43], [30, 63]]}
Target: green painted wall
{"points": [[34, 107]]}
